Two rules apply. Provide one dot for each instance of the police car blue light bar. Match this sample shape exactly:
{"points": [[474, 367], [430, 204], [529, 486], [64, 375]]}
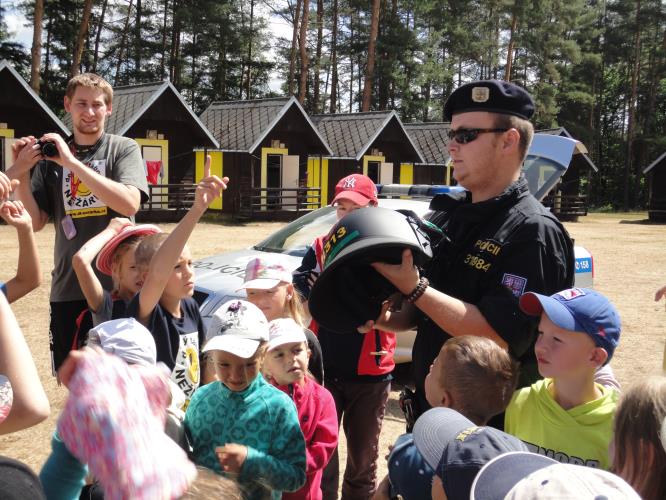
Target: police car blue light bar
{"points": [[415, 190]]}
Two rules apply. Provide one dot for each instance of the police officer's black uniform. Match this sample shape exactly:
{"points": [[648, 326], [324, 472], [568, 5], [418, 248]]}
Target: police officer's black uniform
{"points": [[499, 249]]}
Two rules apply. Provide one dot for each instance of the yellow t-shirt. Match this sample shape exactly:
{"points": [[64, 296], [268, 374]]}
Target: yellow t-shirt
{"points": [[578, 436]]}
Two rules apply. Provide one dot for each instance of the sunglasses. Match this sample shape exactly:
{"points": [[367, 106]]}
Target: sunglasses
{"points": [[465, 135]]}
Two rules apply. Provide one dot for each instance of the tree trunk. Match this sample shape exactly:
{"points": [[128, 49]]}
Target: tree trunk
{"points": [[292, 54], [631, 121], [334, 59], [249, 52], [137, 41], [36, 51], [317, 61], [98, 36], [370, 70], [80, 38], [303, 45], [509, 50], [164, 39]]}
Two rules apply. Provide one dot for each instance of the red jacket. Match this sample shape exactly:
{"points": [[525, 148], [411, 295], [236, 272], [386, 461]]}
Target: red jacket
{"points": [[319, 424], [372, 351]]}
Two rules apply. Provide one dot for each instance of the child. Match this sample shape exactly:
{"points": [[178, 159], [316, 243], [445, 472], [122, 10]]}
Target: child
{"points": [[471, 375], [527, 476], [27, 400], [114, 248], [357, 368], [268, 285], [28, 273], [165, 304], [119, 408], [285, 365], [567, 415], [639, 455], [453, 447], [241, 425]]}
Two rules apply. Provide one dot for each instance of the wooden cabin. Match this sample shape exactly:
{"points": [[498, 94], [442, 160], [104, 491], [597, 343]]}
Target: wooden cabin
{"points": [[431, 138], [656, 177]]}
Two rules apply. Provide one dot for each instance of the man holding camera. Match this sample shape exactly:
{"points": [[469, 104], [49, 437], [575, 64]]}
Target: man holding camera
{"points": [[82, 183]]}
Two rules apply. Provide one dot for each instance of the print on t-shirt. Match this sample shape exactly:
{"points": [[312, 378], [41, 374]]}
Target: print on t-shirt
{"points": [[78, 199], [185, 373]]}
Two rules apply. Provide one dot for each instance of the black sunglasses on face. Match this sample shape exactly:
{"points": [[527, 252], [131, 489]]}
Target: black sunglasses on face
{"points": [[465, 135]]}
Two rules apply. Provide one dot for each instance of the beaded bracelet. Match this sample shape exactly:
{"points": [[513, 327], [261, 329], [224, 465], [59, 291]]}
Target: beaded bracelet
{"points": [[418, 291]]}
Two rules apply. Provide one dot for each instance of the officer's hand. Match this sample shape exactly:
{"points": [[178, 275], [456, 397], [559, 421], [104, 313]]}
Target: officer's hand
{"points": [[403, 276]]}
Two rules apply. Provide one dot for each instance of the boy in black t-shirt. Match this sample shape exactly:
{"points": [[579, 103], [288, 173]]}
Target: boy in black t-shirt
{"points": [[165, 304]]}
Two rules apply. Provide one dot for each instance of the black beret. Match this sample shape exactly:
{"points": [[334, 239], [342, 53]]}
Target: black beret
{"points": [[494, 96]]}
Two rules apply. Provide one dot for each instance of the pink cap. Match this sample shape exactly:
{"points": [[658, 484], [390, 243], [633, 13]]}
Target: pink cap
{"points": [[356, 187], [105, 256], [266, 273]]}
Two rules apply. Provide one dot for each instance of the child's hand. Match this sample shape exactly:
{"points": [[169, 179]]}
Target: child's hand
{"points": [[69, 366], [232, 457], [6, 186], [117, 224], [209, 188], [15, 214]]}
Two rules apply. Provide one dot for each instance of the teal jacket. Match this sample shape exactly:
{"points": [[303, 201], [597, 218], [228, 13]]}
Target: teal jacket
{"points": [[262, 418]]}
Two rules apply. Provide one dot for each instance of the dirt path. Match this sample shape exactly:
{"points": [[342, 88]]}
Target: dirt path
{"points": [[629, 260]]}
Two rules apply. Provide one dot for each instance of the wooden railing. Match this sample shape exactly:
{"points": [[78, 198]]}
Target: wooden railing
{"points": [[566, 205], [256, 200], [177, 197]]}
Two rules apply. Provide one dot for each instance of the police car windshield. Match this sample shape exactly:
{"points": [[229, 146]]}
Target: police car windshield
{"points": [[542, 174], [295, 238]]}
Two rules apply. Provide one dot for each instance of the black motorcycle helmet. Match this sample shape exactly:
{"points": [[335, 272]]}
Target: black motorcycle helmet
{"points": [[349, 292]]}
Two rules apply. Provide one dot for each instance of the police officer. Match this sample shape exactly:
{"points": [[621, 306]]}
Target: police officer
{"points": [[503, 242]]}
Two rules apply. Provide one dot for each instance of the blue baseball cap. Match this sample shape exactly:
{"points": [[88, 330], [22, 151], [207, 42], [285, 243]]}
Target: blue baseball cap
{"points": [[455, 449], [579, 310], [409, 474]]}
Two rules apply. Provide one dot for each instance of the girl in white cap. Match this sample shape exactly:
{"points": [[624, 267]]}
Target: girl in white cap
{"points": [[286, 367], [240, 425], [268, 284]]}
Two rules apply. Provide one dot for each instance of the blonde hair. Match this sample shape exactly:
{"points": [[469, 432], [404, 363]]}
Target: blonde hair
{"points": [[91, 81], [639, 425], [294, 308], [147, 248], [130, 243], [479, 374]]}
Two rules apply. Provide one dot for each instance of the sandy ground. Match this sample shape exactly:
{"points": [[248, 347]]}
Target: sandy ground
{"points": [[629, 266]]}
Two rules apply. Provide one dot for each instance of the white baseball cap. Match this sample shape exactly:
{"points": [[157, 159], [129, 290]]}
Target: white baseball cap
{"points": [[524, 476], [126, 338], [284, 331], [238, 327], [264, 273]]}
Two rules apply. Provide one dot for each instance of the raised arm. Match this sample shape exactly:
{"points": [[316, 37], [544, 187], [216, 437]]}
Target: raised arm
{"points": [[208, 189], [119, 197], [28, 273], [30, 405], [82, 262]]}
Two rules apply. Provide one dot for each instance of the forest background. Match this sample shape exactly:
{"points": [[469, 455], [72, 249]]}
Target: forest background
{"points": [[597, 68]]}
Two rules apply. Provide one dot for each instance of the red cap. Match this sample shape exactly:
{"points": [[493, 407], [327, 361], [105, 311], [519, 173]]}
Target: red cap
{"points": [[356, 187], [105, 256]]}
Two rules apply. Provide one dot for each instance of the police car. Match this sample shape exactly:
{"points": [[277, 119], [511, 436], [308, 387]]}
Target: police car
{"points": [[217, 278]]}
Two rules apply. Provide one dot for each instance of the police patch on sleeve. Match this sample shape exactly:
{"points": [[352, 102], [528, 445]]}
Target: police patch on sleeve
{"points": [[514, 283]]}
